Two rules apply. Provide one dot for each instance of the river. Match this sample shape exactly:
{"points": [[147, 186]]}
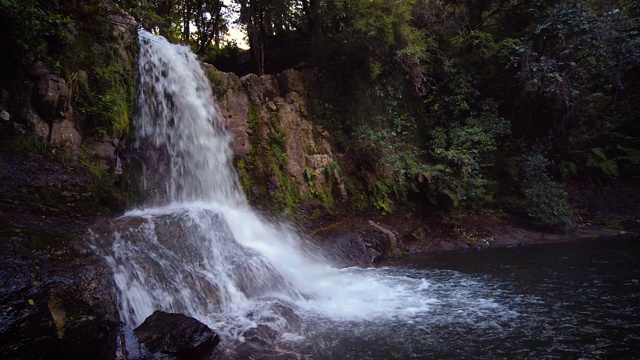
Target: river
{"points": [[577, 300]]}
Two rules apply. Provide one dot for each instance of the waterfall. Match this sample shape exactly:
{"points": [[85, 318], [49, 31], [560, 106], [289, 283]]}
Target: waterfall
{"points": [[178, 119], [199, 249]]}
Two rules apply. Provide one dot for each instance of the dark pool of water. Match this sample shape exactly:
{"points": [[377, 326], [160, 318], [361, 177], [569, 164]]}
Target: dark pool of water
{"points": [[576, 300]]}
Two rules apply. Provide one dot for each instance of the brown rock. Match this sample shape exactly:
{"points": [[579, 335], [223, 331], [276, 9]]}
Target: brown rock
{"points": [[64, 133], [278, 105], [176, 336], [52, 96], [291, 81], [102, 150], [40, 126], [319, 161], [261, 88], [38, 69]]}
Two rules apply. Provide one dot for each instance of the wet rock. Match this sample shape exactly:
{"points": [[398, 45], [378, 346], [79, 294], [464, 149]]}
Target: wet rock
{"points": [[248, 350], [64, 133], [260, 343], [52, 96], [101, 339], [41, 300], [294, 322], [176, 336], [38, 68], [344, 248], [261, 336], [355, 242], [5, 115], [102, 152]]}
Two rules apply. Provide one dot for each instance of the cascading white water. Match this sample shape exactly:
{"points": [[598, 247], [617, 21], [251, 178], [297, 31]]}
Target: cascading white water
{"points": [[205, 253], [178, 118]]}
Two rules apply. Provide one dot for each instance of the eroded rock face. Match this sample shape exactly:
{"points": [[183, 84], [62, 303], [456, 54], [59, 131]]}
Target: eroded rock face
{"points": [[176, 336], [64, 133], [52, 96], [101, 338], [41, 302], [45, 101], [263, 112], [41, 127]]}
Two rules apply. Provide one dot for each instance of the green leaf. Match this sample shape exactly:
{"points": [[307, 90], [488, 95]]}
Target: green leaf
{"points": [[600, 152], [610, 167], [453, 197]]}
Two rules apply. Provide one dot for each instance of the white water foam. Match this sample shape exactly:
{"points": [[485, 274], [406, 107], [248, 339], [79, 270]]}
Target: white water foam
{"points": [[205, 253]]}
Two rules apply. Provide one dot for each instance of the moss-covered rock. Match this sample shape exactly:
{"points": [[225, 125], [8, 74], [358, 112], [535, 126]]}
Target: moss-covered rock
{"points": [[72, 74], [281, 156]]}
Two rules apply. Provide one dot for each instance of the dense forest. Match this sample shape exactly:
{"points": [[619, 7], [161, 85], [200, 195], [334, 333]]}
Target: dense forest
{"points": [[452, 104]]}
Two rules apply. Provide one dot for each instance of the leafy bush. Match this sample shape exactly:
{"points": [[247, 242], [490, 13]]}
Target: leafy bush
{"points": [[546, 201], [394, 159], [462, 147]]}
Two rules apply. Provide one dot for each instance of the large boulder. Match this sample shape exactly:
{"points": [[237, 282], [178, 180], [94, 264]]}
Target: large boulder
{"points": [[101, 339], [40, 126], [41, 300], [64, 133], [52, 96], [176, 336]]}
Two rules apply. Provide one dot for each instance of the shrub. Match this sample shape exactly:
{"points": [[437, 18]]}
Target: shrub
{"points": [[546, 201]]}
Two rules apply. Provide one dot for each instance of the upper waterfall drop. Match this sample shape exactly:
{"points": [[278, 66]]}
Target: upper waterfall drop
{"points": [[177, 117]]}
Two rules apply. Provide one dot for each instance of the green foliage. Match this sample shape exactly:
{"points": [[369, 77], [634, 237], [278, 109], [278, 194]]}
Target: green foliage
{"points": [[29, 28], [387, 144], [254, 117], [309, 175], [76, 41], [109, 192], [103, 75], [608, 166], [217, 82], [463, 141], [265, 169], [546, 201], [278, 138]]}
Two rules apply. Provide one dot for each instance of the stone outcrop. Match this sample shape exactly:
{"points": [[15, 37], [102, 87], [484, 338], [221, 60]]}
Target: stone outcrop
{"points": [[176, 336], [42, 301], [45, 99], [101, 338], [53, 96], [268, 119]]}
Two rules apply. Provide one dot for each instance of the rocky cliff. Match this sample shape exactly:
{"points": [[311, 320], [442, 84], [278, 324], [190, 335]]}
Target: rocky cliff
{"points": [[75, 84], [280, 154]]}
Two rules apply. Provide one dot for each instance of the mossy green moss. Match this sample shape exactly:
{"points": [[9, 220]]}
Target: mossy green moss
{"points": [[103, 79], [217, 82], [77, 41], [264, 174]]}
